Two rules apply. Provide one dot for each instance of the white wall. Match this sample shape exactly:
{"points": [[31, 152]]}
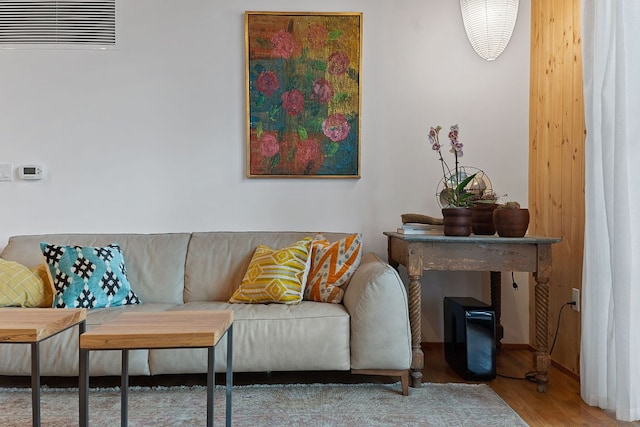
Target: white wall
{"points": [[150, 137]]}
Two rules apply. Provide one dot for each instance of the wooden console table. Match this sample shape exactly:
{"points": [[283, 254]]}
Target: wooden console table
{"points": [[476, 253]]}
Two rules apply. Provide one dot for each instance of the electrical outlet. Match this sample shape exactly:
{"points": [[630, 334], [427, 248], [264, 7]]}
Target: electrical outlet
{"points": [[575, 296]]}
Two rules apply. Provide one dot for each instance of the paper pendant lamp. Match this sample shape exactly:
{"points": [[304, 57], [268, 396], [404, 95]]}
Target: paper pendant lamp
{"points": [[489, 25]]}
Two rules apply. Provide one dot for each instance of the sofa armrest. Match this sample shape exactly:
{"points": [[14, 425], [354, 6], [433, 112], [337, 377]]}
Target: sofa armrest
{"points": [[376, 300]]}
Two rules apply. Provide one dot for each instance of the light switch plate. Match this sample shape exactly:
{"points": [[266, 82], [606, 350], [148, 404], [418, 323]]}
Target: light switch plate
{"points": [[6, 172]]}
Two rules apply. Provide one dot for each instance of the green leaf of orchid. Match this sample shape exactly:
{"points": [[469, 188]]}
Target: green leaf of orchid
{"points": [[464, 183], [459, 195]]}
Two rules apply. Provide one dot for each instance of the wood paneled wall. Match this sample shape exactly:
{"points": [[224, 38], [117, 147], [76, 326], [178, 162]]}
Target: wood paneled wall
{"points": [[556, 162]]}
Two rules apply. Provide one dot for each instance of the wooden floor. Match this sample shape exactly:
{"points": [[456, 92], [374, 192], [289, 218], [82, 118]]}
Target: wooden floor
{"points": [[560, 406]]}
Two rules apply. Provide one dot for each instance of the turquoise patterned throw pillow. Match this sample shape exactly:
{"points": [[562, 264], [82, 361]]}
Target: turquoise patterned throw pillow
{"points": [[88, 277]]}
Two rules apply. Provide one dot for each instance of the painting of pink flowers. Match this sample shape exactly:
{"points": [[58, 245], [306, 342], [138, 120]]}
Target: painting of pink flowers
{"points": [[303, 94]]}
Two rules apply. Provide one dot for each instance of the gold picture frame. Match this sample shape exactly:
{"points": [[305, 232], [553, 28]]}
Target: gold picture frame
{"points": [[303, 94]]}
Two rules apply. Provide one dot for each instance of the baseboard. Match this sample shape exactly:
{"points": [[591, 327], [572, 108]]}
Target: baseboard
{"points": [[506, 346], [512, 346], [424, 345]]}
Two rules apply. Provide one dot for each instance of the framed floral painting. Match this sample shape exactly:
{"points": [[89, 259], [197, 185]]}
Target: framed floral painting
{"points": [[303, 94]]}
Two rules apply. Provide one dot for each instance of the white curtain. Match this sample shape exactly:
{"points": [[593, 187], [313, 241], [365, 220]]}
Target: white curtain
{"points": [[610, 354]]}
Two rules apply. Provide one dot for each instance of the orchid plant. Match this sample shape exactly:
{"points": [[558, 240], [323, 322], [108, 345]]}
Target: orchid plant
{"points": [[456, 196]]}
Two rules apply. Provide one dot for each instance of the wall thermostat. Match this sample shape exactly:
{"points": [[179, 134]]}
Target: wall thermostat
{"points": [[30, 172]]}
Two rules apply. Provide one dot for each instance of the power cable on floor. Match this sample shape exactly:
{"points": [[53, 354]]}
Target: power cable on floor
{"points": [[531, 375]]}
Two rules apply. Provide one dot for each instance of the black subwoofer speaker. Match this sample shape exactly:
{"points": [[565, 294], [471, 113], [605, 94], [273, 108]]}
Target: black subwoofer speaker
{"points": [[470, 338]]}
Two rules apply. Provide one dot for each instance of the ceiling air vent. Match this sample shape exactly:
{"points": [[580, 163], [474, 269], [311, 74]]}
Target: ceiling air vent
{"points": [[66, 23]]}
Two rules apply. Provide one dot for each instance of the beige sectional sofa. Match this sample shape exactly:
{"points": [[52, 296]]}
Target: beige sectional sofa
{"points": [[368, 332]]}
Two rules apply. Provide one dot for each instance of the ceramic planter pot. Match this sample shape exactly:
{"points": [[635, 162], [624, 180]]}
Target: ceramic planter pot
{"points": [[456, 221], [482, 219], [511, 222]]}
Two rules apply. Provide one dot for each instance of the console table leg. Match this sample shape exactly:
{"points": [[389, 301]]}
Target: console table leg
{"points": [[496, 303], [542, 358], [415, 309]]}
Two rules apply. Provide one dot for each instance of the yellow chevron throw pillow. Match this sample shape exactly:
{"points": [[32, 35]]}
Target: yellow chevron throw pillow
{"points": [[277, 276], [332, 265], [21, 287]]}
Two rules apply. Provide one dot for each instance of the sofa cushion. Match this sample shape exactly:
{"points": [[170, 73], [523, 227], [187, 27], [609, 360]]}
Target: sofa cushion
{"points": [[88, 277], [217, 260], [155, 262], [275, 275], [269, 337], [332, 265], [21, 287]]}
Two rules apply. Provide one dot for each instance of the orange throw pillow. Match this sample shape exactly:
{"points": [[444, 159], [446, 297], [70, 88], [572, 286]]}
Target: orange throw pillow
{"points": [[332, 265]]}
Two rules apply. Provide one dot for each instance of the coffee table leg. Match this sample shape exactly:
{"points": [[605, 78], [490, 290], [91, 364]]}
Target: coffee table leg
{"points": [[84, 388], [35, 383], [124, 389], [211, 382], [83, 378], [227, 411]]}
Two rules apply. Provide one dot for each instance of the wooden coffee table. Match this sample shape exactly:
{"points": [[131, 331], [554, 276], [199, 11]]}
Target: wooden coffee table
{"points": [[32, 326], [147, 330]]}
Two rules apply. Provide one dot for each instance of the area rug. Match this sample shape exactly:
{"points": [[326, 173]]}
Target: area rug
{"points": [[305, 405]]}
